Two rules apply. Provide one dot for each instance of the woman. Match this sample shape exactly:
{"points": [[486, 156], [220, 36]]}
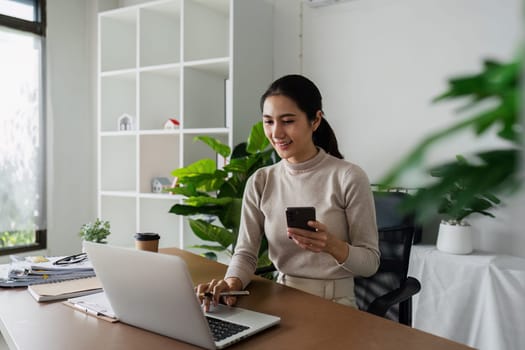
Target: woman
{"points": [[311, 173]]}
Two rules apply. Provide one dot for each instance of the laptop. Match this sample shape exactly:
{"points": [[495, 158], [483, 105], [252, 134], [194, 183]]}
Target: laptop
{"points": [[155, 292]]}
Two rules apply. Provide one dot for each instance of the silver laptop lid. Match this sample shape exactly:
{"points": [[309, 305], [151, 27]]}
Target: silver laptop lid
{"points": [[154, 291], [151, 291]]}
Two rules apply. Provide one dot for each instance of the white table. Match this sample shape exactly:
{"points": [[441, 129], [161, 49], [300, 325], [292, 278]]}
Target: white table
{"points": [[476, 299]]}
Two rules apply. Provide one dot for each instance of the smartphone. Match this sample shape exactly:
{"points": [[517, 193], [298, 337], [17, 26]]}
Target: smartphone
{"points": [[299, 217]]}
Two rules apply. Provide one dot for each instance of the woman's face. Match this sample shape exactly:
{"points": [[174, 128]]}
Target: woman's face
{"points": [[288, 129]]}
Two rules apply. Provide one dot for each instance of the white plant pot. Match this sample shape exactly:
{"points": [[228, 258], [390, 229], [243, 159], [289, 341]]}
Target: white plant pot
{"points": [[454, 239]]}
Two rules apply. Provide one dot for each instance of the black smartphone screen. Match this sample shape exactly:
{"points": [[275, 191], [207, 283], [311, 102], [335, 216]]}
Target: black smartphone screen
{"points": [[299, 217]]}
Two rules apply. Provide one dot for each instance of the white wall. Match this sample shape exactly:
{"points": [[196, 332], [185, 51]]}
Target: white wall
{"points": [[379, 63], [70, 121]]}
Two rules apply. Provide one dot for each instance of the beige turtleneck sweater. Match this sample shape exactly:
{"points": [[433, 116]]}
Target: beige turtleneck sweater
{"points": [[341, 194]]}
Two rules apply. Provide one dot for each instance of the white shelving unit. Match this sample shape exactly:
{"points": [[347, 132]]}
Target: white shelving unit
{"points": [[202, 62]]}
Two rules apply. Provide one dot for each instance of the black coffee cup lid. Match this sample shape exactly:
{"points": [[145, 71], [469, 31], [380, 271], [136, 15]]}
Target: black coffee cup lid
{"points": [[146, 236]]}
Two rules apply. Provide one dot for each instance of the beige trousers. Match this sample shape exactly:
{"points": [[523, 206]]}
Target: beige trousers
{"points": [[340, 291]]}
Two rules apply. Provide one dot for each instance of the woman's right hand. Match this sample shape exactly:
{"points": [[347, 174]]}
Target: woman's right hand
{"points": [[211, 292]]}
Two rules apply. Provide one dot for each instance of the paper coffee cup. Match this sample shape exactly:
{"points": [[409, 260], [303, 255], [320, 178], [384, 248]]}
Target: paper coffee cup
{"points": [[147, 241]]}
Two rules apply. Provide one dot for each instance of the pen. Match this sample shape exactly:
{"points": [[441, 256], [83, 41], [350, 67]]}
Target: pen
{"points": [[224, 294], [86, 310]]}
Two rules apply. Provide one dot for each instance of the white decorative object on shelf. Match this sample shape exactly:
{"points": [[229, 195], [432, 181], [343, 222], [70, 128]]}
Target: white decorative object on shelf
{"points": [[159, 184], [125, 122], [171, 124]]}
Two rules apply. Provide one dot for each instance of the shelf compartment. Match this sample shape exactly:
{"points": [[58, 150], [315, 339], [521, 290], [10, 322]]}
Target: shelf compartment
{"points": [[160, 27], [205, 97], [118, 163], [206, 29], [117, 97], [120, 212], [159, 97], [159, 156], [155, 217], [197, 150], [118, 40]]}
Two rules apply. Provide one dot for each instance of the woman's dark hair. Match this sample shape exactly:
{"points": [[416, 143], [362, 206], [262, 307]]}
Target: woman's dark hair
{"points": [[308, 98]]}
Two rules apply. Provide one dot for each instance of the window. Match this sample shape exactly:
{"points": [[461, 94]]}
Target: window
{"points": [[22, 129]]}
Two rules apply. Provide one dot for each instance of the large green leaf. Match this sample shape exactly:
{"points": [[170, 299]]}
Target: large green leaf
{"points": [[216, 145], [203, 166], [188, 210], [187, 191], [205, 182], [198, 201], [231, 215], [213, 233], [499, 82], [493, 80], [241, 165], [465, 187], [257, 140], [234, 186], [219, 192]]}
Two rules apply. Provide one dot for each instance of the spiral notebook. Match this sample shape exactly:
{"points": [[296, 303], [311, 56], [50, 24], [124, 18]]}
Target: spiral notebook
{"points": [[65, 289]]}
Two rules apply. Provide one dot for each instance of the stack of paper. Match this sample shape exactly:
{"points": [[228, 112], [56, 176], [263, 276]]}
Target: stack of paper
{"points": [[23, 272]]}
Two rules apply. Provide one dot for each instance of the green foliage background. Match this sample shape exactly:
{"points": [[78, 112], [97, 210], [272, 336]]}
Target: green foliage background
{"points": [[213, 197], [470, 183]]}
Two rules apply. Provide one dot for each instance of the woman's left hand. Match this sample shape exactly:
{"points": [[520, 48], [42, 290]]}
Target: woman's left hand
{"points": [[319, 241]]}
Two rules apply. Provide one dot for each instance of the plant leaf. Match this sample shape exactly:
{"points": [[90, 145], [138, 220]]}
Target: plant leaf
{"points": [[187, 191], [202, 166], [187, 210], [231, 215], [216, 145], [257, 140], [213, 233], [462, 188], [199, 201]]}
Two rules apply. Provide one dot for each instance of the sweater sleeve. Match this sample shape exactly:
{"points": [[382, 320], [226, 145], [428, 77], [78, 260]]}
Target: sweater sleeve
{"points": [[363, 254], [251, 231]]}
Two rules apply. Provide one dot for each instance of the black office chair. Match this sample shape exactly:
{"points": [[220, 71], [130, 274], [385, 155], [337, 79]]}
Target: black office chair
{"points": [[388, 293]]}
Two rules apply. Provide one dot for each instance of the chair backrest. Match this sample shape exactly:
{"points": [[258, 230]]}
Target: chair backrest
{"points": [[396, 233]]}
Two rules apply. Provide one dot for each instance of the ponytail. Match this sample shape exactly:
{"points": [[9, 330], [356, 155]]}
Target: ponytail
{"points": [[324, 137]]}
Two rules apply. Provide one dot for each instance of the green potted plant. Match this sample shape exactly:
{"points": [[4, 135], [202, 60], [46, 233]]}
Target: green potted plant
{"points": [[455, 233], [213, 197], [460, 187], [97, 231]]}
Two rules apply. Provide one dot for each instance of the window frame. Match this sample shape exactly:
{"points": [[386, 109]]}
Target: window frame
{"points": [[38, 27]]}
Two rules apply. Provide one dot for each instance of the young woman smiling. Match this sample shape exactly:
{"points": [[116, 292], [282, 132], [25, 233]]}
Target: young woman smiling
{"points": [[312, 173]]}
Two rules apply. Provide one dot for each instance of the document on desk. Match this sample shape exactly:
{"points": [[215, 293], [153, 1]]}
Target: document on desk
{"points": [[24, 271], [65, 289], [95, 305]]}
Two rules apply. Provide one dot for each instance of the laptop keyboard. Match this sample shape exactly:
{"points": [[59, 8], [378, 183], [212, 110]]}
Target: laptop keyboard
{"points": [[223, 329]]}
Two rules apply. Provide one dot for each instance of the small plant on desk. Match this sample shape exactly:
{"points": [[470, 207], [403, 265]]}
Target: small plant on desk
{"points": [[95, 232]]}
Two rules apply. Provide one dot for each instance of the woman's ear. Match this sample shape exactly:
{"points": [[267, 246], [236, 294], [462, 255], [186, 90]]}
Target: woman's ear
{"points": [[317, 120]]}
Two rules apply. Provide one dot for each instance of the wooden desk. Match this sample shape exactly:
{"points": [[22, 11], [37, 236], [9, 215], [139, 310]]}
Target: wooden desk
{"points": [[307, 322]]}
